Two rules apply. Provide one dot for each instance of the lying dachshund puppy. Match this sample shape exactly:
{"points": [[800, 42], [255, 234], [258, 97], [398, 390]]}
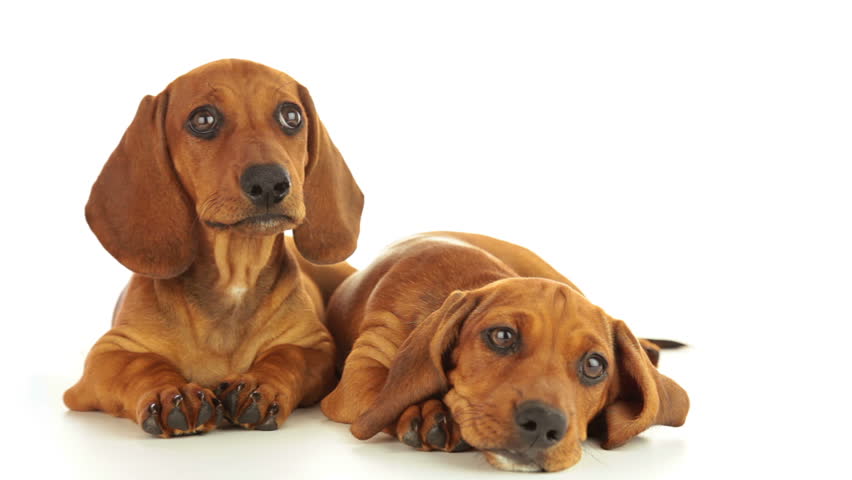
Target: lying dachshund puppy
{"points": [[453, 338], [194, 200]]}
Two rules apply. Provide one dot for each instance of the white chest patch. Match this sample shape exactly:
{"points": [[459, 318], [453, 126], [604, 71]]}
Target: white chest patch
{"points": [[237, 292]]}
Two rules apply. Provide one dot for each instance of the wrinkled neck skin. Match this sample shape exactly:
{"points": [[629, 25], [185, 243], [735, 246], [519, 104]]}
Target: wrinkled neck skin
{"points": [[234, 272]]}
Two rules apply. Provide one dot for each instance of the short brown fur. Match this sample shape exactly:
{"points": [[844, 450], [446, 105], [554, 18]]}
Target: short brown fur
{"points": [[219, 320], [409, 332]]}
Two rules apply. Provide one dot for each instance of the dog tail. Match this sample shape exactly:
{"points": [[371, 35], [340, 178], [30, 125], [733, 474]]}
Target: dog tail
{"points": [[666, 344], [652, 347]]}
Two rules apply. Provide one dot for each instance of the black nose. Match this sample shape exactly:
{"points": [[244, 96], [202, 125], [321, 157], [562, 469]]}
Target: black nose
{"points": [[265, 184], [540, 425]]}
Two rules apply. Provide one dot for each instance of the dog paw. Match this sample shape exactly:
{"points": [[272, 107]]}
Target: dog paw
{"points": [[430, 426], [253, 404], [175, 411]]}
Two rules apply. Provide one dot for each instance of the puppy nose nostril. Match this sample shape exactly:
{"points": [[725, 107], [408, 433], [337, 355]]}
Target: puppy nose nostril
{"points": [[256, 191], [281, 188], [529, 426], [553, 436]]}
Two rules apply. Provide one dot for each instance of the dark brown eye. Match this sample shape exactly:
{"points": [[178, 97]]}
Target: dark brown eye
{"points": [[289, 116], [203, 121], [502, 340], [592, 368]]}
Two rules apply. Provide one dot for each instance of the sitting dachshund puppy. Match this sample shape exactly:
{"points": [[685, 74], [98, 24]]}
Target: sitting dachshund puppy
{"points": [[194, 200], [452, 339]]}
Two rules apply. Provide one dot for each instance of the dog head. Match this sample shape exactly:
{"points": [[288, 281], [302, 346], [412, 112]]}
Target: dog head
{"points": [[525, 365], [232, 145]]}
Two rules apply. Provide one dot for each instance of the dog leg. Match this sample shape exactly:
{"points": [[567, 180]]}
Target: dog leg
{"points": [[145, 388], [364, 375]]}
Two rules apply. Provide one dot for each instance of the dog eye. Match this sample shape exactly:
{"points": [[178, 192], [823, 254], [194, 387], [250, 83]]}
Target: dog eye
{"points": [[592, 368], [502, 340], [290, 117], [203, 121]]}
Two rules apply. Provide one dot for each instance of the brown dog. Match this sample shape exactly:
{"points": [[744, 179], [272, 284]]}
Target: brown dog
{"points": [[194, 200], [453, 338]]}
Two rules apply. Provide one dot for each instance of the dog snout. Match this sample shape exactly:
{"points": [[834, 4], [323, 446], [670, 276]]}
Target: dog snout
{"points": [[540, 425], [265, 185]]}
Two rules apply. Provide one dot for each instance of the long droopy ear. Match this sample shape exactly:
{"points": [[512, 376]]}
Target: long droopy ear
{"points": [[644, 396], [417, 370], [138, 208], [333, 200]]}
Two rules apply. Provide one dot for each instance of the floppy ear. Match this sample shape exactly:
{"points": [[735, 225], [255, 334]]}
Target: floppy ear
{"points": [[138, 208], [333, 201], [644, 396], [417, 370]]}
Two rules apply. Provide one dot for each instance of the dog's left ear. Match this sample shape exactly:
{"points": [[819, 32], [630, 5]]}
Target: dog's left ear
{"points": [[643, 397], [333, 200], [417, 372]]}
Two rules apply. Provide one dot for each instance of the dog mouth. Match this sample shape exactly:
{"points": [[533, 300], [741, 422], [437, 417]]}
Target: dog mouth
{"points": [[512, 461], [260, 223]]}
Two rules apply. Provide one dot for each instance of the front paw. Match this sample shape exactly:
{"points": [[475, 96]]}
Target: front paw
{"points": [[175, 411], [429, 426], [253, 404]]}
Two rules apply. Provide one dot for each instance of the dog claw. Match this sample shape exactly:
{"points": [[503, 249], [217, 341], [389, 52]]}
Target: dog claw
{"points": [[412, 437], [176, 419], [151, 425], [437, 436], [462, 446], [204, 412], [230, 402], [251, 414], [269, 424], [220, 413]]}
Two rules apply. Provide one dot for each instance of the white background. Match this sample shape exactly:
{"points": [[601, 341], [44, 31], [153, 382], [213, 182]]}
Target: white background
{"points": [[685, 163]]}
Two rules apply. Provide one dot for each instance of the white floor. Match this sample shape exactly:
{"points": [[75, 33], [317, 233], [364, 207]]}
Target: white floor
{"points": [[685, 163], [94, 445]]}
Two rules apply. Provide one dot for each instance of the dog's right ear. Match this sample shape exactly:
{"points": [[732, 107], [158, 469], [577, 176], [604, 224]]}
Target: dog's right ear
{"points": [[417, 371], [138, 208]]}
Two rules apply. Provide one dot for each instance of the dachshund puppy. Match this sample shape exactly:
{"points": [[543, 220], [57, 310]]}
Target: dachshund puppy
{"points": [[219, 318], [454, 339]]}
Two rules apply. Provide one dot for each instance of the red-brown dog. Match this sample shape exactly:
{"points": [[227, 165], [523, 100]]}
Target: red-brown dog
{"points": [[194, 200], [452, 338]]}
